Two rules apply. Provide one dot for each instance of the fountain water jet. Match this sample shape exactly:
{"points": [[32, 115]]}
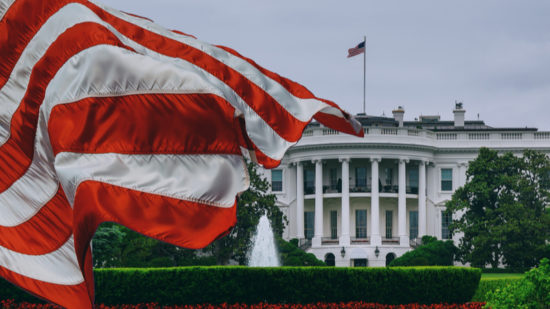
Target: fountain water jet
{"points": [[264, 251]]}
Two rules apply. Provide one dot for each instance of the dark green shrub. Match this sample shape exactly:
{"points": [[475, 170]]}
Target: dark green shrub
{"points": [[291, 255], [218, 284], [533, 291], [432, 252]]}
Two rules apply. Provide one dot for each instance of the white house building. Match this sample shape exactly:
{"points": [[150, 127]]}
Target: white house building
{"points": [[364, 201]]}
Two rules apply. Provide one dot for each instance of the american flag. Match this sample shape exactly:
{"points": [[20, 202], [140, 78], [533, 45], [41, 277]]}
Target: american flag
{"points": [[359, 49], [105, 116]]}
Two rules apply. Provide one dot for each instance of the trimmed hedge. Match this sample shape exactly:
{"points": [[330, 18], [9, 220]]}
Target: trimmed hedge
{"points": [[486, 285], [215, 285]]}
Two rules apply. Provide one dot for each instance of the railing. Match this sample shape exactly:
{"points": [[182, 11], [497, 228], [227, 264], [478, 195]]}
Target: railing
{"points": [[542, 135], [392, 240], [362, 240], [329, 240], [389, 131], [446, 136], [478, 136], [327, 131], [508, 136], [416, 134]]}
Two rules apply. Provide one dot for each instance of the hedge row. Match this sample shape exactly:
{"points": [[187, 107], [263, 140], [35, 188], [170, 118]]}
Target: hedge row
{"points": [[486, 285], [215, 285], [350, 305]]}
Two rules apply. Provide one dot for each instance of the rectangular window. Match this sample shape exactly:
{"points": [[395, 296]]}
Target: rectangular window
{"points": [[309, 181], [276, 180], [413, 181], [309, 219], [389, 224], [361, 223], [413, 224], [333, 179], [446, 219], [446, 179], [333, 224]]}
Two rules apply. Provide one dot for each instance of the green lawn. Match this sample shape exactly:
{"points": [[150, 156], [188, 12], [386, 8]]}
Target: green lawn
{"points": [[501, 276]]}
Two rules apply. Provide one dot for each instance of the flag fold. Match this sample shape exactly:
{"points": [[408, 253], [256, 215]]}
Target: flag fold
{"points": [[106, 116]]}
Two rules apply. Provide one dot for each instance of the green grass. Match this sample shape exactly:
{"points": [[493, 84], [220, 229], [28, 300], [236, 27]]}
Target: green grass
{"points": [[501, 276]]}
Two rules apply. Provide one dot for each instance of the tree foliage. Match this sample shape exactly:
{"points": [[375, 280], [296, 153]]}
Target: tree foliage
{"points": [[251, 206], [432, 252], [503, 209]]}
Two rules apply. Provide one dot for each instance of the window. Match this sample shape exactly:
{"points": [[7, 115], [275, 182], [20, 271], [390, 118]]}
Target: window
{"points": [[413, 181], [413, 224], [276, 180], [361, 177], [360, 263], [309, 219], [309, 181], [333, 179], [333, 224], [446, 179], [389, 224], [330, 259], [446, 219], [361, 223]]}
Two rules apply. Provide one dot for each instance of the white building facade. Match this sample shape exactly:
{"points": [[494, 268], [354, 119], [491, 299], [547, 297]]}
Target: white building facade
{"points": [[364, 201]]}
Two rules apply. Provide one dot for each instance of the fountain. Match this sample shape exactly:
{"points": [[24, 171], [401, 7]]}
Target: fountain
{"points": [[264, 251]]}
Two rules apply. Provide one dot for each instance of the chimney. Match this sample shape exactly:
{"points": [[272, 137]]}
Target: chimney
{"points": [[459, 112], [398, 115]]}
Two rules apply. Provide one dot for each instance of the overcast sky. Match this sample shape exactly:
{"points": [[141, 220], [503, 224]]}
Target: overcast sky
{"points": [[493, 55]]}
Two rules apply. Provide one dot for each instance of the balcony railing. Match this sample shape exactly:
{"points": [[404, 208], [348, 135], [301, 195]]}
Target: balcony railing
{"points": [[360, 240], [474, 135], [392, 240], [329, 240]]}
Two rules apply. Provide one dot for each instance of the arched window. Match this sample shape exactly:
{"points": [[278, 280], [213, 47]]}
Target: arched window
{"points": [[390, 257], [329, 259]]}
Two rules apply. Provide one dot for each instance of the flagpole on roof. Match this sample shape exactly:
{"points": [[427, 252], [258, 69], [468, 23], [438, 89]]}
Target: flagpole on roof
{"points": [[364, 75]]}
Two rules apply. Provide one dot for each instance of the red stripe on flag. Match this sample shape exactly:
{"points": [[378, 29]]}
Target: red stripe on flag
{"points": [[183, 223], [45, 232], [263, 104], [145, 123], [25, 19], [68, 296], [301, 92], [17, 153]]}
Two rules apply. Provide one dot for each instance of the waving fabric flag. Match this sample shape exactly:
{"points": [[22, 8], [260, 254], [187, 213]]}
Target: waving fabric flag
{"points": [[105, 116], [357, 50]]}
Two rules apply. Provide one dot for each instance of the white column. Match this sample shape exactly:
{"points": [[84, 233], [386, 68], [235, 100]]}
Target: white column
{"points": [[375, 238], [344, 237], [318, 234], [402, 204], [299, 200], [422, 198]]}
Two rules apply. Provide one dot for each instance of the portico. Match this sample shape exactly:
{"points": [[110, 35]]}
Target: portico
{"points": [[358, 197]]}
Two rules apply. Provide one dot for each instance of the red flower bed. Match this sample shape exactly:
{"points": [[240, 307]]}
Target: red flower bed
{"points": [[10, 304]]}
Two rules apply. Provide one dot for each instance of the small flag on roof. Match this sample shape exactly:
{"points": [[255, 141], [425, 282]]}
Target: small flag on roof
{"points": [[359, 49]]}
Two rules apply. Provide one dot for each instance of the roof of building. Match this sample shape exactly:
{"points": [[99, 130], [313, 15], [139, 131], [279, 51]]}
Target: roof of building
{"points": [[432, 123]]}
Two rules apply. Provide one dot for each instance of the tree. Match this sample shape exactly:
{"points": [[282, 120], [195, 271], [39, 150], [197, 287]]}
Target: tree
{"points": [[503, 210], [251, 206], [432, 252]]}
